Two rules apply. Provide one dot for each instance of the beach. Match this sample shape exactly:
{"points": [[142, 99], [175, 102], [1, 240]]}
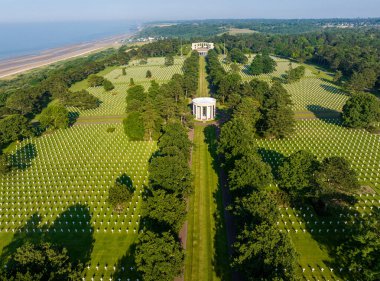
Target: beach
{"points": [[10, 67]]}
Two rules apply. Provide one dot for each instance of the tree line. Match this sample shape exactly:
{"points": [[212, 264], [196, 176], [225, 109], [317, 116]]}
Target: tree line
{"points": [[148, 110], [355, 53], [266, 108], [159, 254], [261, 251]]}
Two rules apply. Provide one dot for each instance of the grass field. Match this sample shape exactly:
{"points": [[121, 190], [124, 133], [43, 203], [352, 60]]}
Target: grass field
{"points": [[206, 251], [317, 104], [58, 192], [58, 189], [282, 66], [113, 102]]}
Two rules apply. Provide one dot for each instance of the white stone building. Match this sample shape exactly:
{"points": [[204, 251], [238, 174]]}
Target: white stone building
{"points": [[202, 47], [204, 109]]}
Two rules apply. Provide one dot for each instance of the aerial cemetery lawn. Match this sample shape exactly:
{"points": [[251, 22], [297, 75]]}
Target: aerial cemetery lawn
{"points": [[113, 102], [317, 104], [58, 188], [316, 231]]}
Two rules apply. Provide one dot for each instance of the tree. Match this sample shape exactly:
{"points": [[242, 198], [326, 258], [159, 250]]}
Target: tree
{"points": [[363, 80], [335, 175], [148, 74], [134, 126], [257, 89], [175, 135], [361, 110], [55, 116], [250, 173], [42, 261], [4, 165], [295, 74], [277, 115], [248, 110], [21, 101], [269, 64], [14, 127], [237, 56], [136, 98], [171, 173], [158, 256], [118, 196], [257, 65], [256, 208], [235, 139], [131, 82], [82, 100], [338, 77], [169, 60], [265, 253], [95, 80], [262, 64], [296, 174], [361, 251], [228, 85], [152, 121], [165, 208], [107, 85]]}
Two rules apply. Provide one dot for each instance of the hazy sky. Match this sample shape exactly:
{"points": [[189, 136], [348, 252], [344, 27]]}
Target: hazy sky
{"points": [[61, 10]]}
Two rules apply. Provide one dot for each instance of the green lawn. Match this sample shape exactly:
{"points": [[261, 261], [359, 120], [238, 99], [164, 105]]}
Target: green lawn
{"points": [[58, 192], [206, 250], [83, 85]]}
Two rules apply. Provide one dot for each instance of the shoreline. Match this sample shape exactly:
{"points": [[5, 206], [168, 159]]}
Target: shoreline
{"points": [[18, 65]]}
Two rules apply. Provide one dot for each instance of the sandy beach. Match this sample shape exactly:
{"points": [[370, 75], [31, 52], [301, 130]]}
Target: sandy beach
{"points": [[9, 67]]}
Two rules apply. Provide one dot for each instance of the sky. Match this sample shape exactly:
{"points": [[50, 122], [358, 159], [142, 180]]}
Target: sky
{"points": [[149, 10]]}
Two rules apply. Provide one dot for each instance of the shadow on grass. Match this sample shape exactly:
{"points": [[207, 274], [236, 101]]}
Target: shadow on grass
{"points": [[221, 256], [21, 159], [73, 117], [331, 88], [273, 158], [71, 230], [126, 267], [326, 231], [125, 180], [325, 114]]}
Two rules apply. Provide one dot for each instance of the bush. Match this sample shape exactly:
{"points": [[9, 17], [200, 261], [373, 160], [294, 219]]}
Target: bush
{"points": [[95, 80], [111, 130], [81, 100], [108, 86]]}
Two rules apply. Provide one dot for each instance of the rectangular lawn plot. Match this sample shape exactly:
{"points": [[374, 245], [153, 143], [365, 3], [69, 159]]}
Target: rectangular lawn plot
{"points": [[313, 94], [59, 189], [282, 66], [328, 138], [159, 71]]}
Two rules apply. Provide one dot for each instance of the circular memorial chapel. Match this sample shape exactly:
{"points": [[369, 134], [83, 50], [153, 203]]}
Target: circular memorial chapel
{"points": [[204, 108]]}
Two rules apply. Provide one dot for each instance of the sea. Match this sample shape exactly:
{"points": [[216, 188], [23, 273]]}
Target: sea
{"points": [[20, 39]]}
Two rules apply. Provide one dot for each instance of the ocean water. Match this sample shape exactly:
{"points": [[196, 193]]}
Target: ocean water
{"points": [[19, 39]]}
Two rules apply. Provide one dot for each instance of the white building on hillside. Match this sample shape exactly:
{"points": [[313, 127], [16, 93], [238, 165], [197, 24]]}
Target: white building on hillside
{"points": [[202, 47]]}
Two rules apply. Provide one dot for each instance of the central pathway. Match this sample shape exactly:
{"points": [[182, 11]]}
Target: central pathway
{"points": [[206, 250]]}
